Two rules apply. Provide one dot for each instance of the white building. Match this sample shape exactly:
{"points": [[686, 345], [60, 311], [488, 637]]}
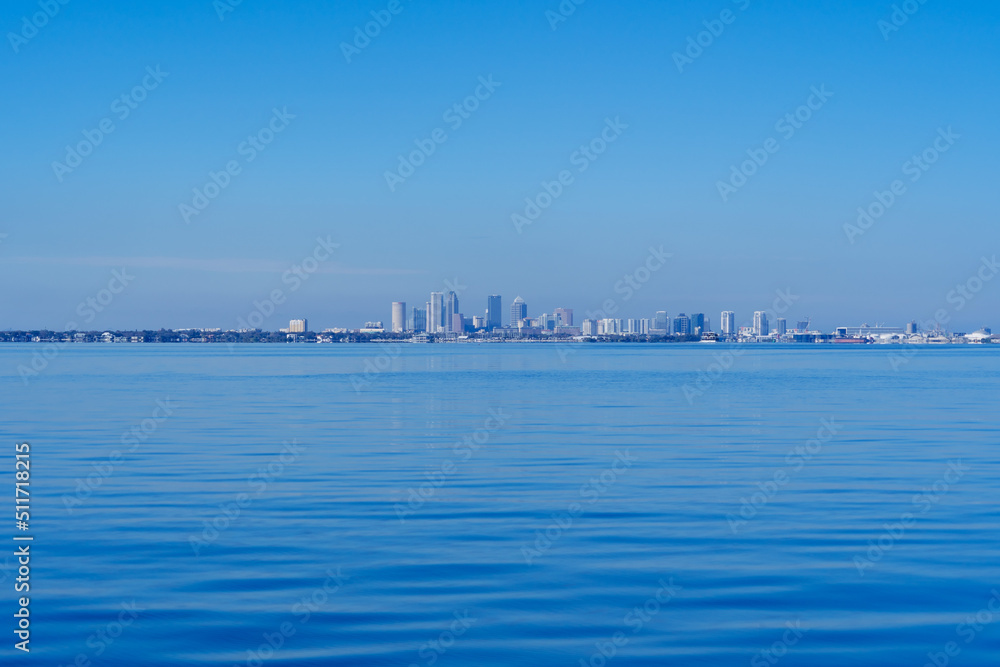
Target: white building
{"points": [[298, 326], [728, 322], [398, 316], [760, 324], [435, 313]]}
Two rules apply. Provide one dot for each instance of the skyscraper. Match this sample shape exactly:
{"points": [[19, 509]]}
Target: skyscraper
{"points": [[419, 319], [298, 326], [494, 316], [398, 316], [661, 322], [728, 323], [760, 325], [698, 324], [450, 310], [435, 313], [564, 317], [782, 326], [518, 312], [682, 325]]}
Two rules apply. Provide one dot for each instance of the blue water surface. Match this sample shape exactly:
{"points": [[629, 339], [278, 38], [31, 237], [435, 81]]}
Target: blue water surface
{"points": [[506, 504]]}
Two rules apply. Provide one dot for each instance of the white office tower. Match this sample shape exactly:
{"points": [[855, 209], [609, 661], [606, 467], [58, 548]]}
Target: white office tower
{"points": [[728, 323], [494, 320], [637, 326], [760, 325], [435, 313], [518, 312], [611, 326], [450, 311], [398, 316]]}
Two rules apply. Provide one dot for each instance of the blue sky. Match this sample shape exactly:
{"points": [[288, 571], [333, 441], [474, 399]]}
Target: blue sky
{"points": [[323, 175]]}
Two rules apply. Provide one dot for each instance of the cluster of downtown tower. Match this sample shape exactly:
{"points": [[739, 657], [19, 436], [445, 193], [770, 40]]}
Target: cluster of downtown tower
{"points": [[442, 315]]}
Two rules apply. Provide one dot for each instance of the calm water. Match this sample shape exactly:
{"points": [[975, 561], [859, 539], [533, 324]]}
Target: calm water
{"points": [[507, 505]]}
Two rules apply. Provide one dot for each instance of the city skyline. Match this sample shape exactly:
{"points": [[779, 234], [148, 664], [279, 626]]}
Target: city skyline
{"points": [[680, 129]]}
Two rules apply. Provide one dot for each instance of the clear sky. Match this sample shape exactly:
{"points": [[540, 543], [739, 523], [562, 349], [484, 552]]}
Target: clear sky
{"points": [[887, 95]]}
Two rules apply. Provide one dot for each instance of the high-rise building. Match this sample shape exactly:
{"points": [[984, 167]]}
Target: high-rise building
{"points": [[298, 326], [760, 325], [639, 327], [435, 313], [661, 322], [398, 316], [564, 317], [610, 327], [589, 328], [698, 324], [478, 322], [682, 325], [728, 323], [911, 328], [782, 326], [494, 316], [518, 312], [457, 324], [419, 320], [450, 310]]}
